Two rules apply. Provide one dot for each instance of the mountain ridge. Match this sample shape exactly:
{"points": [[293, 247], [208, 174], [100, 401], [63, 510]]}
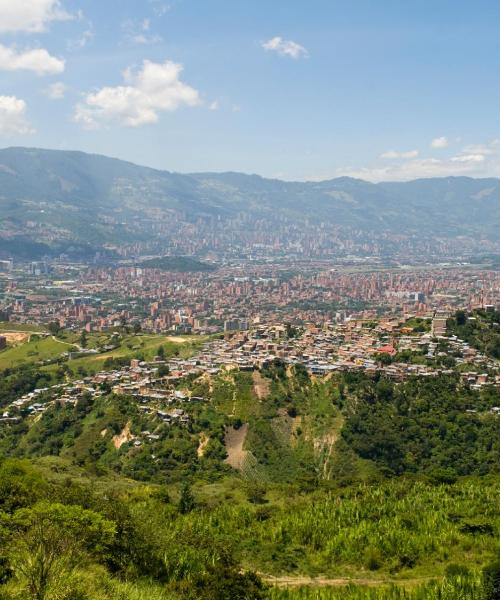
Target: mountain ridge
{"points": [[59, 198]]}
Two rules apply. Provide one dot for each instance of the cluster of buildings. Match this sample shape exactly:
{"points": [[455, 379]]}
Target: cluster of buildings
{"points": [[390, 345], [238, 295]]}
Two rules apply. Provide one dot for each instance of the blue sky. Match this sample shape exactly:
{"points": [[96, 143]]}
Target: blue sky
{"points": [[295, 89]]}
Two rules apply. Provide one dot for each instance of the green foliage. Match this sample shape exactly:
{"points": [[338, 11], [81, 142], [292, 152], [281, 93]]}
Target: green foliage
{"points": [[451, 588], [186, 502], [178, 264], [491, 581], [422, 425], [47, 541], [480, 329]]}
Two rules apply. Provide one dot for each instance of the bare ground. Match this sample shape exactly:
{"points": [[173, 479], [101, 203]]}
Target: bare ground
{"points": [[204, 439], [300, 581], [123, 437], [261, 385], [234, 441], [16, 337]]}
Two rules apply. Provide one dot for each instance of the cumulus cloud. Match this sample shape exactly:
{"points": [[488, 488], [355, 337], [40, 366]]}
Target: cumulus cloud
{"points": [[30, 15], [394, 154], [439, 143], [285, 47], [153, 89], [37, 60], [13, 119], [56, 91]]}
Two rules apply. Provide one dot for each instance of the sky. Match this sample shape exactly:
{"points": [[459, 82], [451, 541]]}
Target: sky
{"points": [[289, 89]]}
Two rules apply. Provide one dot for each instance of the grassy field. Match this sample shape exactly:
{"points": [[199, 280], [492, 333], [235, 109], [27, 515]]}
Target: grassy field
{"points": [[32, 352], [144, 346], [7, 326]]}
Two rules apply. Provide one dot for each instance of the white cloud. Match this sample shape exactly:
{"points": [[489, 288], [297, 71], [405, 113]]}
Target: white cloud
{"points": [[56, 91], [474, 160], [30, 15], [153, 89], [80, 42], [159, 8], [439, 143], [37, 60], [285, 47], [13, 117], [214, 105], [413, 169], [394, 154], [139, 32], [468, 158]]}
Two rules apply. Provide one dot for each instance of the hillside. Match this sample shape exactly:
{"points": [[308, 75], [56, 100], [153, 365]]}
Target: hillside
{"points": [[60, 201], [237, 481]]}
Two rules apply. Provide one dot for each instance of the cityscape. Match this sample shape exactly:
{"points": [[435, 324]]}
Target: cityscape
{"points": [[249, 300]]}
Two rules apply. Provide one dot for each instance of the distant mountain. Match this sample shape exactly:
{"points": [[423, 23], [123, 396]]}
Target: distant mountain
{"points": [[78, 203]]}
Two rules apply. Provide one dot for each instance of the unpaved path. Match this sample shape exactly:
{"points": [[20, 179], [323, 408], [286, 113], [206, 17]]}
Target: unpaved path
{"points": [[234, 441], [204, 439], [302, 581], [261, 385]]}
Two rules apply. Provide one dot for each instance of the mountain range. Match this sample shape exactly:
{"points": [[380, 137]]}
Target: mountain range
{"points": [[52, 201]]}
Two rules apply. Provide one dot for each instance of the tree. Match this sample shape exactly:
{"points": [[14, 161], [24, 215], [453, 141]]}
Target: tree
{"points": [[50, 540], [163, 371], [460, 317], [222, 582], [136, 327], [54, 328], [161, 352], [186, 501], [83, 339]]}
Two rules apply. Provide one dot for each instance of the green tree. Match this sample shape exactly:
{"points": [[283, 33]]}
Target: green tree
{"points": [[50, 540], [54, 328], [163, 371], [186, 502], [83, 339]]}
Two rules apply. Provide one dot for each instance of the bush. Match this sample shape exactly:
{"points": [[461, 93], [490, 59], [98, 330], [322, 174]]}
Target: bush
{"points": [[491, 581]]}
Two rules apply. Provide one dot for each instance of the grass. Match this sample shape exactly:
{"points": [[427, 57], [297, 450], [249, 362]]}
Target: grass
{"points": [[144, 346], [7, 326], [130, 346], [455, 588], [32, 352], [398, 530]]}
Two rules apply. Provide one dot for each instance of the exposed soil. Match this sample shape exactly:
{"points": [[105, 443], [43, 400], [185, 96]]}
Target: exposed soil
{"points": [[261, 385], [15, 337], [234, 441], [291, 581], [123, 437], [204, 439]]}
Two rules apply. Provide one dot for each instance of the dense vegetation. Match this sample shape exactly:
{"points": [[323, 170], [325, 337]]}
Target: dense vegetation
{"points": [[481, 330], [178, 264], [106, 537], [348, 476]]}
